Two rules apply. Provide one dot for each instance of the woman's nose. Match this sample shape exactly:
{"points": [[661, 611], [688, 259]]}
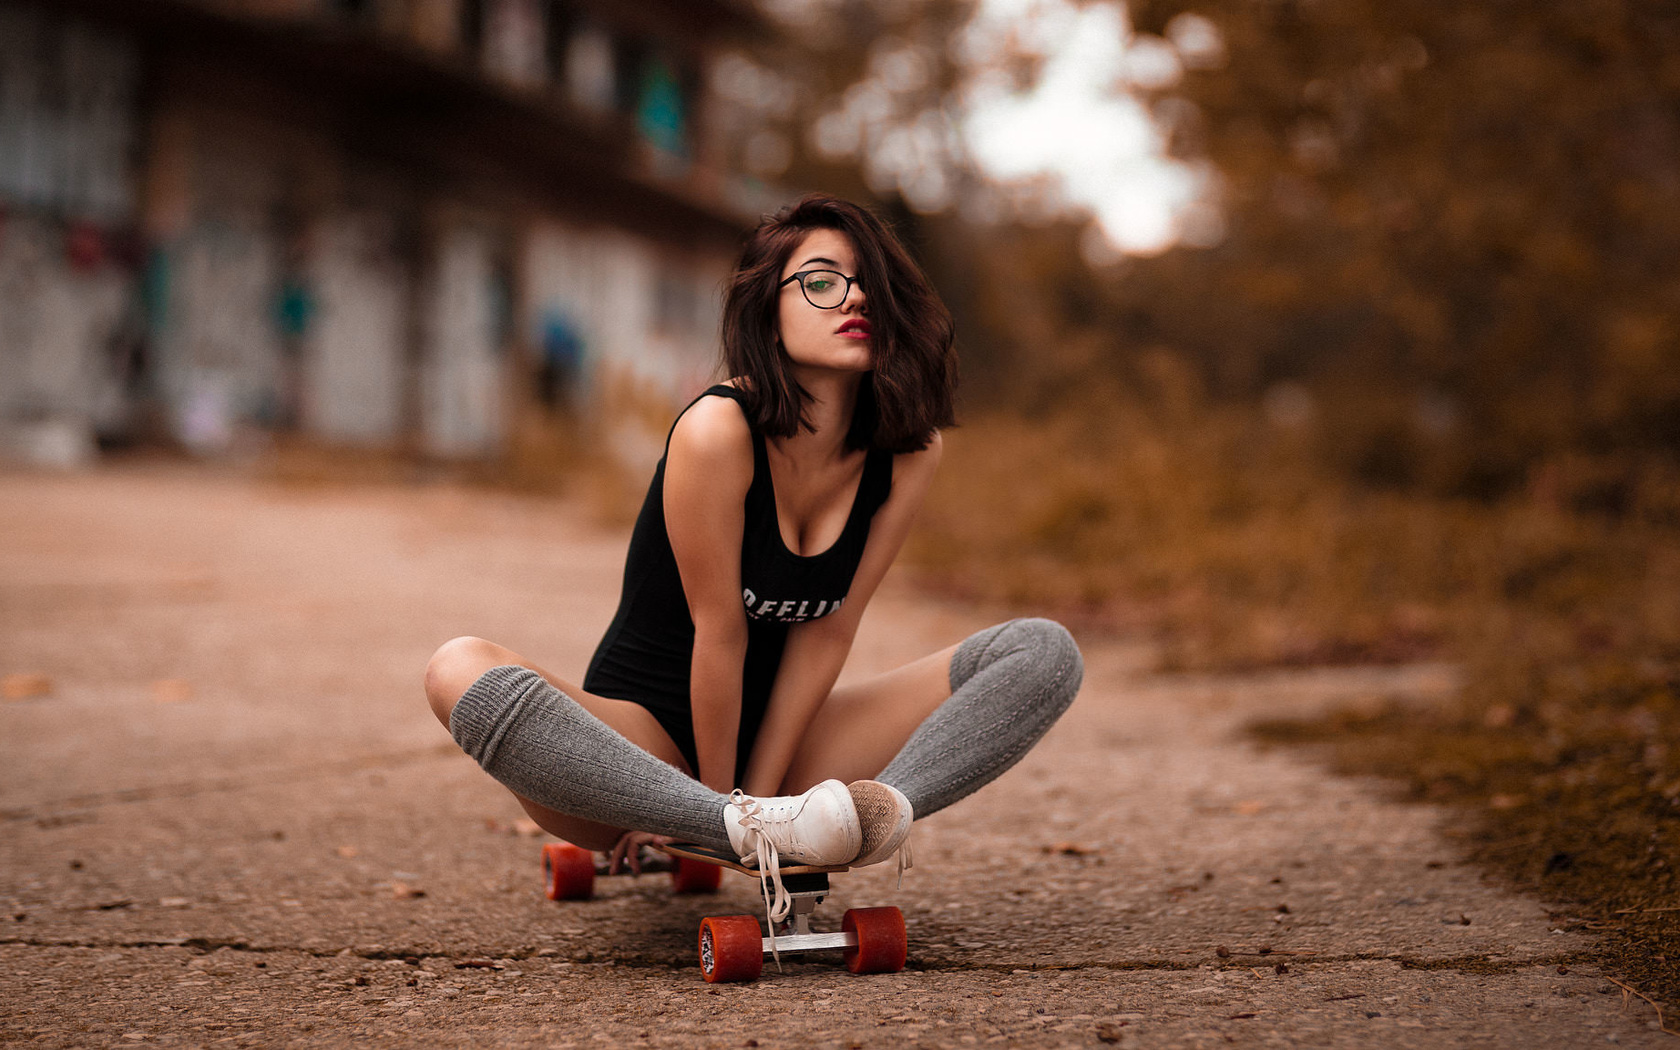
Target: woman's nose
{"points": [[855, 299]]}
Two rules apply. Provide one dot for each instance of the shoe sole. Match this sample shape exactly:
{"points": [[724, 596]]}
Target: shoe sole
{"points": [[885, 816]]}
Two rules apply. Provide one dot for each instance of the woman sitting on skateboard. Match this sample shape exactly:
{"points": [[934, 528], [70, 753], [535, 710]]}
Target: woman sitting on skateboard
{"points": [[709, 712]]}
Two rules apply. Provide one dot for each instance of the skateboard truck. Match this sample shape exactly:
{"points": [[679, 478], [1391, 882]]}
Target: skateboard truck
{"points": [[793, 934]]}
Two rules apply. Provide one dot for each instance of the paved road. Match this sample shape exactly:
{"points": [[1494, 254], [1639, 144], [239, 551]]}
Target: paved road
{"points": [[232, 822]]}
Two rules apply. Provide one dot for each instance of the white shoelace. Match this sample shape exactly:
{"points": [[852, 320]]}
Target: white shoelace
{"points": [[905, 861], [755, 821]]}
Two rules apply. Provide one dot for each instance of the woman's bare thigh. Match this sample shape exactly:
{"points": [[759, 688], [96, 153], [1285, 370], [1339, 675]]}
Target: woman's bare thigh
{"points": [[459, 663], [860, 727]]}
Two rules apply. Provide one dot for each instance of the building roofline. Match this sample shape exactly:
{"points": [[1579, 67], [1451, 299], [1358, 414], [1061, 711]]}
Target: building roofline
{"points": [[720, 20], [542, 144]]}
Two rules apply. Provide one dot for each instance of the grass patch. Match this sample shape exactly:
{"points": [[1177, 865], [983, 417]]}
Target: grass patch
{"points": [[1578, 805]]}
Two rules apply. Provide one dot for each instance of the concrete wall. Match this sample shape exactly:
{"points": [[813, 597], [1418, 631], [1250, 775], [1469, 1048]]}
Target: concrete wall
{"points": [[217, 279], [462, 376], [67, 101], [61, 376], [355, 368]]}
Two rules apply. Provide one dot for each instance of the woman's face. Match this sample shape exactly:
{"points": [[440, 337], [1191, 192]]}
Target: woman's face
{"points": [[836, 339]]}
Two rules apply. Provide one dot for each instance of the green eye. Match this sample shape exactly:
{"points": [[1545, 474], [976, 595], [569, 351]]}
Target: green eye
{"points": [[824, 289]]}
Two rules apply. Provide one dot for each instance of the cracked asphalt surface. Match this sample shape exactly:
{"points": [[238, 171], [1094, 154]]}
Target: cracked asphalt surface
{"points": [[226, 818]]}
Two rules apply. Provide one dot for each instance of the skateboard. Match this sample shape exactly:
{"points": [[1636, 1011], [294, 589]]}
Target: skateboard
{"points": [[733, 947]]}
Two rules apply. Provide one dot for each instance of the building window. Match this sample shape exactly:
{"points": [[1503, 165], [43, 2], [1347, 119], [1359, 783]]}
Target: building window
{"points": [[470, 27], [589, 68], [661, 109], [560, 23], [67, 118], [628, 56], [676, 301], [359, 10], [515, 46]]}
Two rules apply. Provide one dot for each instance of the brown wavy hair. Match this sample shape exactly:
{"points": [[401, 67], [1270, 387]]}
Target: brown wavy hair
{"points": [[910, 391]]}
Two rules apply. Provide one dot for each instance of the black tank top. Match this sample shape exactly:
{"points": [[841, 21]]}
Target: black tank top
{"points": [[648, 651]]}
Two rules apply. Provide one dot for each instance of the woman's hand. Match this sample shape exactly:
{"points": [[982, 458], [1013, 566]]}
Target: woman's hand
{"points": [[628, 851]]}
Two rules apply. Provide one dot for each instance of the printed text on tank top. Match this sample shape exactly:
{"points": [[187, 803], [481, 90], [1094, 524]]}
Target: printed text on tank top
{"points": [[787, 611]]}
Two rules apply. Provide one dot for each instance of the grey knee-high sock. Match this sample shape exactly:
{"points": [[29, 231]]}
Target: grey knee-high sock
{"points": [[1009, 684], [543, 745]]}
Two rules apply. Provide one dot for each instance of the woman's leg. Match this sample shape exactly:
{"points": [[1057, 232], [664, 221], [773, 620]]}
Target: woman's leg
{"points": [[860, 727], [607, 763], [944, 726]]}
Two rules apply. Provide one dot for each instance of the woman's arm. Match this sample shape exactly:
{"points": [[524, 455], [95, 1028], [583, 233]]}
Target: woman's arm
{"points": [[817, 649], [708, 469]]}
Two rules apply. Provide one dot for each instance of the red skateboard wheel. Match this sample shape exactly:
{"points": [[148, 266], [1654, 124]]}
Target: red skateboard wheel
{"points": [[881, 941], [568, 872], [693, 876], [731, 948]]}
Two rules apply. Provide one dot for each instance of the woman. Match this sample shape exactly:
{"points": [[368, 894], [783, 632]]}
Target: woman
{"points": [[709, 712]]}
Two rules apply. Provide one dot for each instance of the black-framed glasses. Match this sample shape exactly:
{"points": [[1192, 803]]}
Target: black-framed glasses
{"points": [[824, 289]]}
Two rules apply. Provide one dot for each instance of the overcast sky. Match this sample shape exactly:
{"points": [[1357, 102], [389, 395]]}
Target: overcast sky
{"points": [[1081, 128]]}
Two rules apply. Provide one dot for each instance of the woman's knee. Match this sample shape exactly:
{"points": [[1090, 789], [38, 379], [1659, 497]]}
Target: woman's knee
{"points": [[456, 665], [1045, 644], [1057, 644], [1055, 654]]}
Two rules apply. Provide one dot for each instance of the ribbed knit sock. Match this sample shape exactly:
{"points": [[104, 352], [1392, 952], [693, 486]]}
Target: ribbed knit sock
{"points": [[1009, 684], [543, 745]]}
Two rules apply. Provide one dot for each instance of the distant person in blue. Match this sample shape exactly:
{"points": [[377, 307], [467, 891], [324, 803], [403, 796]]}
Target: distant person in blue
{"points": [[562, 358], [709, 712]]}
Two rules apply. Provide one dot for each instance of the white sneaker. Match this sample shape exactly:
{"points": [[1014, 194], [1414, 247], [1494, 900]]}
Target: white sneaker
{"points": [[885, 815], [818, 827]]}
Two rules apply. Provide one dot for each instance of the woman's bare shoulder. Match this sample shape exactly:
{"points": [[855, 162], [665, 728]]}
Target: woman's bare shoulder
{"points": [[922, 461], [713, 434]]}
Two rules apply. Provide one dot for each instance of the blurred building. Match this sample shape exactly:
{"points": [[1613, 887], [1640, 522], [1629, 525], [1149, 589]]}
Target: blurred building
{"points": [[372, 221]]}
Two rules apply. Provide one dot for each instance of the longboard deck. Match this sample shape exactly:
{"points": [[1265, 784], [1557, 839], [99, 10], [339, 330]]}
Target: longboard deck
{"points": [[707, 855]]}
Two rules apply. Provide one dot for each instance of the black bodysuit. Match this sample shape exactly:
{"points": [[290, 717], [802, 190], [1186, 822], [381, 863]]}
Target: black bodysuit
{"points": [[648, 651]]}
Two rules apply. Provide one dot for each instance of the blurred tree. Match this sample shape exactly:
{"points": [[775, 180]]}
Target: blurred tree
{"points": [[869, 79], [1476, 203]]}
